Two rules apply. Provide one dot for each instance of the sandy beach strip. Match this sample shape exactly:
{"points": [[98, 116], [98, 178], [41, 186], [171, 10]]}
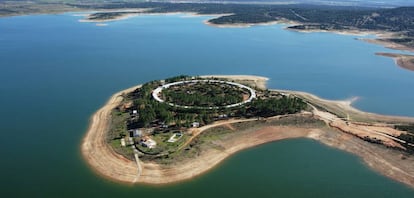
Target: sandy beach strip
{"points": [[104, 161], [96, 151]]}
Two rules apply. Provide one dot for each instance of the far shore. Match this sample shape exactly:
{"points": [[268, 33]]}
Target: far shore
{"points": [[128, 14], [380, 35], [141, 12], [243, 25], [100, 156]]}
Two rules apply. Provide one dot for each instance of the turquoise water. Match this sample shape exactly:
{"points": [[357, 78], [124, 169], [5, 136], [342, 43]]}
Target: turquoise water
{"points": [[55, 72]]}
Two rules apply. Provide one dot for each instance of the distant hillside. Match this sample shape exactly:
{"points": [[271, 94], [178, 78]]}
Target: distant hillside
{"points": [[310, 17], [367, 3]]}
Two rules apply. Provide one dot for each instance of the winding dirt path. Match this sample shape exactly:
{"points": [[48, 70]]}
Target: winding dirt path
{"points": [[195, 132]]}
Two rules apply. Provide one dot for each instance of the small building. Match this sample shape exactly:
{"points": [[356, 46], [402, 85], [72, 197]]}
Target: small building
{"points": [[175, 137], [221, 116], [134, 112], [135, 133], [195, 124], [162, 125], [148, 142], [123, 143]]}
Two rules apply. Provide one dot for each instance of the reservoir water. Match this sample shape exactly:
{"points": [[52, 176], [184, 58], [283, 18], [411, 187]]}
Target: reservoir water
{"points": [[55, 72]]}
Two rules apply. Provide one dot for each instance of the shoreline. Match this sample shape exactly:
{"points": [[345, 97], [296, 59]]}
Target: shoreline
{"points": [[379, 35], [241, 25], [128, 14], [402, 60], [105, 162], [345, 106], [140, 12], [95, 150], [388, 44]]}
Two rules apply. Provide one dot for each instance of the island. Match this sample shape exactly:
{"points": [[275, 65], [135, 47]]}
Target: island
{"points": [[175, 129]]}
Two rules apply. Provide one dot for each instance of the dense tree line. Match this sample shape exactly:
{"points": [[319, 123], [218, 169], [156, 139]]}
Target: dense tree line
{"points": [[409, 137], [177, 78], [276, 106], [408, 128], [203, 95]]}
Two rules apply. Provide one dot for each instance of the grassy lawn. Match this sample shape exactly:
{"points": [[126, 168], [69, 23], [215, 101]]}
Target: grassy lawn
{"points": [[126, 151]]}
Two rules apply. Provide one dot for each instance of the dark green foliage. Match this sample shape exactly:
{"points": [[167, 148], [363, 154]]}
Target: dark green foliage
{"points": [[177, 78], [408, 128], [106, 15], [409, 137], [276, 106], [204, 95]]}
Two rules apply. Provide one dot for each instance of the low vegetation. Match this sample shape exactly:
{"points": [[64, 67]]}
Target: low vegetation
{"points": [[215, 138]]}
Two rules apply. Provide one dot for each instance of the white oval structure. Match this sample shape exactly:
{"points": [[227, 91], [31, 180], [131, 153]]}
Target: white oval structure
{"points": [[158, 90]]}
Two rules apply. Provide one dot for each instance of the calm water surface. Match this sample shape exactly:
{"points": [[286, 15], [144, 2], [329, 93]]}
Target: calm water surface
{"points": [[55, 72]]}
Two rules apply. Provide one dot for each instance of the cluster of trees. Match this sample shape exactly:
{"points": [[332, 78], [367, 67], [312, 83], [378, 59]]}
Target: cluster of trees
{"points": [[151, 111], [177, 78], [409, 137], [408, 128], [106, 15], [203, 95], [276, 106]]}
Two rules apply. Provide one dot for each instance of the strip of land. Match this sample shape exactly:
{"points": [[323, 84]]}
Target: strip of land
{"points": [[346, 134], [402, 60]]}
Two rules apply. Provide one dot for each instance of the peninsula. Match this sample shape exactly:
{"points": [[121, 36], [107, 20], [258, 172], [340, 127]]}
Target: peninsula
{"points": [[175, 129], [404, 61]]}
